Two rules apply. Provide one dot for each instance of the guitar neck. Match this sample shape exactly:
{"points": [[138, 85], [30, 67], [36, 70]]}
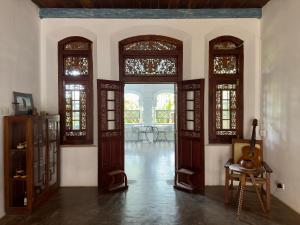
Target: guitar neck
{"points": [[253, 137]]}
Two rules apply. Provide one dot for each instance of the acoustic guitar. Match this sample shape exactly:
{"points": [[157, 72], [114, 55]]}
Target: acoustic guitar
{"points": [[251, 158]]}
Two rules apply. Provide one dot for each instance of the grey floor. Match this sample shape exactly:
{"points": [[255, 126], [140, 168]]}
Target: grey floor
{"points": [[150, 199]]}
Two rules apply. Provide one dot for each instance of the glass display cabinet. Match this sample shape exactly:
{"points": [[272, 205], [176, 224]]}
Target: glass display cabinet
{"points": [[31, 161]]}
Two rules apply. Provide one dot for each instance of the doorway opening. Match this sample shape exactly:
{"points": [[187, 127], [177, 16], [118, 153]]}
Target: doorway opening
{"points": [[149, 121], [151, 60]]}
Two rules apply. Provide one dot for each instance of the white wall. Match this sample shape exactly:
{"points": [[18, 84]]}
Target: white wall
{"points": [[281, 95], [19, 61], [106, 33]]}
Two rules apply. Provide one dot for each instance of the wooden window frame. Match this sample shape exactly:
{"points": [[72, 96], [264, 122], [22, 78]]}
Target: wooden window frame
{"points": [[86, 80], [226, 79], [177, 53]]}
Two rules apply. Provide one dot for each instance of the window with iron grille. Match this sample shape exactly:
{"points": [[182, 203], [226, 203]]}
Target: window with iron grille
{"points": [[226, 55], [132, 109], [165, 108], [75, 78]]}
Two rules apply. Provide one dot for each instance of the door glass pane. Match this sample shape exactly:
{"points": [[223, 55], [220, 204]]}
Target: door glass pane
{"points": [[111, 95], [190, 95], [190, 125], [110, 115], [110, 105], [190, 115], [190, 105], [111, 125]]}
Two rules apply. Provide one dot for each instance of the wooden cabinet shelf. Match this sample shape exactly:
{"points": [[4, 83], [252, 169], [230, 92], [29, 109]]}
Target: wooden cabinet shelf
{"points": [[32, 173], [18, 150], [18, 179]]}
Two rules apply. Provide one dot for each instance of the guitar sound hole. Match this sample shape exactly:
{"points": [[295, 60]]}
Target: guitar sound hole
{"points": [[250, 154]]}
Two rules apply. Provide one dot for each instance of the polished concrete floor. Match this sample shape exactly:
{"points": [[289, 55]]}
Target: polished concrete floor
{"points": [[150, 200]]}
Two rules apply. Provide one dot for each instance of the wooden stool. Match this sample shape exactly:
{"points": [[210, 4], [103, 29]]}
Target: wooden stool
{"points": [[113, 186], [187, 185], [244, 173]]}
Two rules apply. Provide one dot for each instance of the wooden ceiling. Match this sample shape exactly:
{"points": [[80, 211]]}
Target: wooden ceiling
{"points": [[151, 4]]}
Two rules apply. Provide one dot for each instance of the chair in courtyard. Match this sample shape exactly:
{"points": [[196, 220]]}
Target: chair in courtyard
{"points": [[160, 134]]}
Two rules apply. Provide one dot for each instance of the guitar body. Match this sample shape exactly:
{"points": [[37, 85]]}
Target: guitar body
{"points": [[251, 156]]}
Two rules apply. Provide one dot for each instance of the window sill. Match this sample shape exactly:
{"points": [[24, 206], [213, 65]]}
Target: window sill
{"points": [[77, 146]]}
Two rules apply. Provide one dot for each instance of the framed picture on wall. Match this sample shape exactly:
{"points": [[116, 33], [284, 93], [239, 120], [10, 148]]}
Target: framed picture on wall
{"points": [[23, 103]]}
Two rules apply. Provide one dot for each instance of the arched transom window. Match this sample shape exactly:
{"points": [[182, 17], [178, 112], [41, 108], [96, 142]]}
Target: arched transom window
{"points": [[150, 56]]}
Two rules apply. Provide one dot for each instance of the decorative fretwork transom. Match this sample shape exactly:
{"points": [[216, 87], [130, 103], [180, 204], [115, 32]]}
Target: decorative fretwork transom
{"points": [[150, 66], [150, 56], [225, 65], [76, 66], [150, 46], [225, 45], [77, 45]]}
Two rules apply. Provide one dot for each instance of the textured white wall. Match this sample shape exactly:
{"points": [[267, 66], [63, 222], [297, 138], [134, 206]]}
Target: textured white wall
{"points": [[106, 33], [281, 95], [19, 61]]}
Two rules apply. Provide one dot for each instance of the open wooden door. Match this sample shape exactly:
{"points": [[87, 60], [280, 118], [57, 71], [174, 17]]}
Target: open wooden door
{"points": [[190, 144], [111, 175]]}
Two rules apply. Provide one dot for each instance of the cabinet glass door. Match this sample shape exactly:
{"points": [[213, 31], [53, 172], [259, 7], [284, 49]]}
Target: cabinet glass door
{"points": [[39, 159], [18, 172], [53, 151]]}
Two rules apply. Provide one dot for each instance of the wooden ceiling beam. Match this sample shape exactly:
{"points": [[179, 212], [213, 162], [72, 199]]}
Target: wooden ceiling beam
{"points": [[151, 4], [150, 13], [87, 3]]}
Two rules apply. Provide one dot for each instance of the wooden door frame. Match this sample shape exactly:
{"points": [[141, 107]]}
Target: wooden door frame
{"points": [[174, 50]]}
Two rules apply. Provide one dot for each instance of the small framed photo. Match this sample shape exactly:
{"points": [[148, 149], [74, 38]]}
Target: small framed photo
{"points": [[23, 103]]}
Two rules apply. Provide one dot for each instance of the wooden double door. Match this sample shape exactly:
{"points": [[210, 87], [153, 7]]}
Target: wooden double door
{"points": [[189, 130]]}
